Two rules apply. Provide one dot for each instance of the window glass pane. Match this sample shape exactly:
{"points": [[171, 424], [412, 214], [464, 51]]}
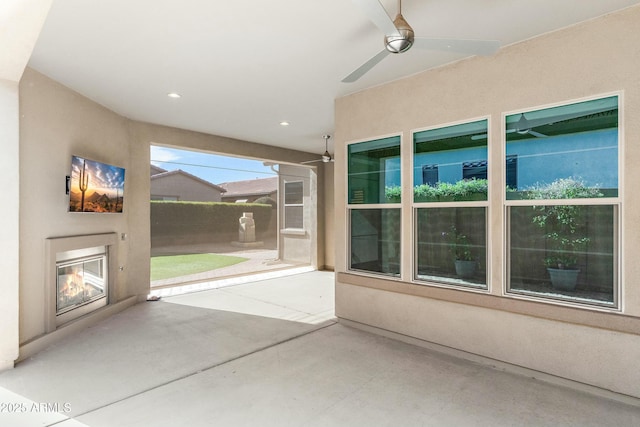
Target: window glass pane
{"points": [[563, 252], [577, 141], [450, 163], [293, 217], [375, 240], [293, 193], [451, 246], [374, 171]]}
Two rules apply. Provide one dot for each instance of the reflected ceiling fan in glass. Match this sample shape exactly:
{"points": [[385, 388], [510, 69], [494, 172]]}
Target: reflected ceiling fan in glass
{"points": [[523, 127]]}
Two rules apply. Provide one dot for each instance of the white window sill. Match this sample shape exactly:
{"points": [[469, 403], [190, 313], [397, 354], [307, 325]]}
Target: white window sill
{"points": [[293, 231]]}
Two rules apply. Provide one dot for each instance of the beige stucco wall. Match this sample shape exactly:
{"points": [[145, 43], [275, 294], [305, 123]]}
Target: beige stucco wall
{"points": [[56, 123], [299, 246], [329, 217], [594, 58]]}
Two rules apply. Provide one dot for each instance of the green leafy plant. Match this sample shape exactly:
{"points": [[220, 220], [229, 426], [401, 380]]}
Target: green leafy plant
{"points": [[461, 248], [393, 194], [465, 189], [564, 225]]}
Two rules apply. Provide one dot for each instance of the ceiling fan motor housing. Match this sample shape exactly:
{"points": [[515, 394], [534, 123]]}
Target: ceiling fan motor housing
{"points": [[401, 42]]}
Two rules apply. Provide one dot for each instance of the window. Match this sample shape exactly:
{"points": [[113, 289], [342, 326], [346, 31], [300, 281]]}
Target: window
{"points": [[375, 240], [451, 245], [450, 214], [474, 170], [478, 170], [374, 194], [430, 175], [563, 213], [294, 204]]}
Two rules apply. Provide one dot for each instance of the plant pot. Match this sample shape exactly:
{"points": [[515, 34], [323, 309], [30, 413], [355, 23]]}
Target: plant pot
{"points": [[465, 269], [563, 279]]}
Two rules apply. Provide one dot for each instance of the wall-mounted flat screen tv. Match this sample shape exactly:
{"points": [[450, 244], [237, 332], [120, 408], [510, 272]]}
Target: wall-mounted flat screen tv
{"points": [[95, 187]]}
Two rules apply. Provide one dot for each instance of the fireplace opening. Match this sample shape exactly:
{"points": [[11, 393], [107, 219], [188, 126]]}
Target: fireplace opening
{"points": [[79, 282]]}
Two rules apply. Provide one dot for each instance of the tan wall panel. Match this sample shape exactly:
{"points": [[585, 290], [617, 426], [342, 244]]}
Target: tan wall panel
{"points": [[591, 59]]}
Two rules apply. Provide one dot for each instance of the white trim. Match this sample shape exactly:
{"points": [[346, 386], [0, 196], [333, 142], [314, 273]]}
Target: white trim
{"points": [[414, 206], [618, 289], [285, 205], [370, 206]]}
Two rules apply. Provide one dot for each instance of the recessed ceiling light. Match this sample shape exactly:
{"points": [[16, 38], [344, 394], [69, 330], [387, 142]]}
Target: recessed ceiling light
{"points": [[174, 95], [284, 123]]}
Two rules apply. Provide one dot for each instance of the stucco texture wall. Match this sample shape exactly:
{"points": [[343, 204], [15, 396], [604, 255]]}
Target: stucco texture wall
{"points": [[595, 58], [56, 123]]}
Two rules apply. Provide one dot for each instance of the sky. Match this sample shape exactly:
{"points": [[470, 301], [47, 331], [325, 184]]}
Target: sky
{"points": [[211, 167], [102, 177]]}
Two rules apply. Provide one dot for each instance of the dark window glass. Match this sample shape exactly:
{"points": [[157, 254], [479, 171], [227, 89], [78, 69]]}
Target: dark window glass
{"points": [[374, 171], [451, 246], [375, 240]]}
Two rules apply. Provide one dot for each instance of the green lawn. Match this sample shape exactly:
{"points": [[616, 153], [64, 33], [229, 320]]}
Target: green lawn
{"points": [[165, 267]]}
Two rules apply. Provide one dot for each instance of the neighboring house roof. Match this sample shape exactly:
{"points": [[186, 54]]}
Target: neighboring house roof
{"points": [[156, 170], [252, 187], [166, 174]]}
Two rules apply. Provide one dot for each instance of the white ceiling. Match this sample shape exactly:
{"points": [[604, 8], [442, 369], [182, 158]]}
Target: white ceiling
{"points": [[243, 66]]}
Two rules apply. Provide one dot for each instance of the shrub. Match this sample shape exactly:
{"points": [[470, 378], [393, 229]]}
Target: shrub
{"points": [[465, 189], [564, 226], [266, 200], [199, 222]]}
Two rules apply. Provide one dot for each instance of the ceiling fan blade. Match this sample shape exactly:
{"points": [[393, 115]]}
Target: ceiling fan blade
{"points": [[378, 15], [476, 47], [550, 120], [536, 134], [364, 68], [311, 161]]}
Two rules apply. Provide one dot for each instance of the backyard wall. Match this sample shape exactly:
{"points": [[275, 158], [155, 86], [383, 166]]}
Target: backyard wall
{"points": [[588, 345], [189, 223]]}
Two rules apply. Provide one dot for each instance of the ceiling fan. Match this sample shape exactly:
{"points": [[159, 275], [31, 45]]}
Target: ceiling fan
{"points": [[399, 38], [523, 127], [326, 157]]}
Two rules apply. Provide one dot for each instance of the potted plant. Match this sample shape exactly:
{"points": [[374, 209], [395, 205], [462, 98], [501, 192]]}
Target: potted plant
{"points": [[461, 248], [564, 229]]}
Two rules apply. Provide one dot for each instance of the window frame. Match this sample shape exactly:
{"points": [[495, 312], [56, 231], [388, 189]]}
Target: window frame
{"points": [[486, 204], [497, 207], [286, 205], [371, 206], [616, 202]]}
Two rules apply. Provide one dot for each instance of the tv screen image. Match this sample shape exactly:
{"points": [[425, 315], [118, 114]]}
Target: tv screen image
{"points": [[95, 187]]}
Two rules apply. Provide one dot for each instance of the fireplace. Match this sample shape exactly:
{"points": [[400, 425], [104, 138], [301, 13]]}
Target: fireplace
{"points": [[81, 274], [81, 280]]}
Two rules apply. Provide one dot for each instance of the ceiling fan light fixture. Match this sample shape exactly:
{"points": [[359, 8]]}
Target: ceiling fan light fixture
{"points": [[522, 127], [401, 42]]}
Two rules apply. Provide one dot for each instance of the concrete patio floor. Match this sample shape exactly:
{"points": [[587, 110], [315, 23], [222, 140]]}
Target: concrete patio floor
{"points": [[260, 354]]}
